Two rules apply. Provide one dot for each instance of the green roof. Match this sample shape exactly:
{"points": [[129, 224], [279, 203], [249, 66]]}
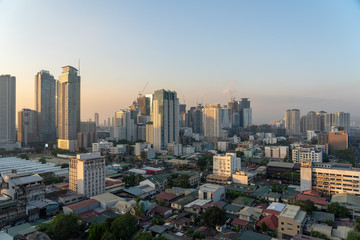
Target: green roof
{"points": [[235, 189], [243, 201], [233, 208], [185, 200], [322, 216], [346, 199], [102, 218], [261, 192], [22, 229], [273, 195], [232, 216]]}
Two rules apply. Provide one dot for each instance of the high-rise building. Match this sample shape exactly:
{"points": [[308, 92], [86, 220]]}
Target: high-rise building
{"points": [[234, 113], [45, 105], [165, 116], [247, 117], [182, 115], [144, 105], [7, 110], [225, 117], [195, 119], [87, 135], [125, 127], [338, 119], [69, 108], [96, 117], [212, 122], [244, 104], [27, 126], [226, 165], [292, 121], [87, 174]]}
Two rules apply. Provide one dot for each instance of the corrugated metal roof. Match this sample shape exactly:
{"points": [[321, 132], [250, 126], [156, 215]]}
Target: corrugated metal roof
{"points": [[25, 180]]}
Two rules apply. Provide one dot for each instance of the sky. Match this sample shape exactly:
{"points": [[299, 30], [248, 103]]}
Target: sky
{"points": [[280, 54]]}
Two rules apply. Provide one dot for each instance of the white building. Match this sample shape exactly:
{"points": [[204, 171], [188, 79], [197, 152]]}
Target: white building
{"points": [[101, 146], [174, 149], [139, 147], [222, 146], [300, 154], [7, 111], [276, 151], [211, 192], [188, 150], [247, 117], [330, 178], [310, 134], [87, 174], [119, 149], [292, 121], [125, 127], [212, 122], [226, 165]]}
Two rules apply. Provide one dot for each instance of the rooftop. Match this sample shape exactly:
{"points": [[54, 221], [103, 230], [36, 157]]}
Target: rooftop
{"points": [[26, 180], [82, 204], [165, 196], [106, 197], [280, 164], [290, 211], [198, 202], [276, 206], [210, 187]]}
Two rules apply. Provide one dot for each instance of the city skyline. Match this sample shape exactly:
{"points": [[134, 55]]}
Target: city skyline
{"points": [[307, 63]]}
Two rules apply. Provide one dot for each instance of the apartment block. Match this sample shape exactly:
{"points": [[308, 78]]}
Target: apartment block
{"points": [[300, 154], [291, 222], [277, 151]]}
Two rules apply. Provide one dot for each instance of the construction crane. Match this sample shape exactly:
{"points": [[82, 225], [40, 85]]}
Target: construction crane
{"points": [[142, 92]]}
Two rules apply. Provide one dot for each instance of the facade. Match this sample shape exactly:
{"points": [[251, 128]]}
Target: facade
{"points": [[226, 165], [69, 108], [45, 105], [97, 119], [165, 116], [144, 105], [212, 122], [87, 174], [7, 109], [291, 221], [211, 192], [330, 178], [337, 119], [247, 117], [174, 149], [292, 121], [87, 135], [300, 154], [125, 127], [277, 151], [338, 141], [27, 126]]}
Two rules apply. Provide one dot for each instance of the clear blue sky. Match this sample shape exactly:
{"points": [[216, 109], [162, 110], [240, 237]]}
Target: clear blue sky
{"points": [[281, 54]]}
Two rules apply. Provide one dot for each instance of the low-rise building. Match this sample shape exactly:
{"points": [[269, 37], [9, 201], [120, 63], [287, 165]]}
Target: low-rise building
{"points": [[211, 192], [300, 154], [276, 152], [291, 221]]}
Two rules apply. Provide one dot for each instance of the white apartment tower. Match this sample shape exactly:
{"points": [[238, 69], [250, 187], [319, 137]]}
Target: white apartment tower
{"points": [[212, 122], [292, 121], [226, 165], [7, 109], [45, 105], [87, 174], [165, 116], [69, 108]]}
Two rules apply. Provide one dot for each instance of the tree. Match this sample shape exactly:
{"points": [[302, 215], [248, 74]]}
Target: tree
{"points": [[190, 232], [353, 235], [132, 179], [65, 165], [263, 227], [124, 226], [157, 220], [276, 187], [143, 236], [139, 208], [357, 224], [307, 205], [213, 216], [96, 231], [63, 227], [338, 210], [318, 235], [202, 163]]}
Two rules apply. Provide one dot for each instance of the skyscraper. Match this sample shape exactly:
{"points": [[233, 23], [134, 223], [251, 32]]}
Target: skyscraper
{"points": [[96, 119], [7, 110], [69, 108], [244, 104], [27, 126], [247, 117], [292, 121], [212, 122], [165, 116], [45, 105], [182, 115]]}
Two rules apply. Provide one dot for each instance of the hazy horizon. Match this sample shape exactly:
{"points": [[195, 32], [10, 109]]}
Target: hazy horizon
{"points": [[279, 54]]}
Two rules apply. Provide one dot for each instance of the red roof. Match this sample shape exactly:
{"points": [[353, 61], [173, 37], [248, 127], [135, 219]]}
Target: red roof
{"points": [[165, 196], [89, 214], [160, 209], [238, 221], [316, 200], [261, 205], [271, 212], [271, 222], [311, 193], [82, 204], [111, 183]]}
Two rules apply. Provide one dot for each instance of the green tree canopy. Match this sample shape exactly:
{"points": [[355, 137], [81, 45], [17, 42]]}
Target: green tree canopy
{"points": [[124, 226], [63, 227], [353, 235], [213, 216], [338, 210]]}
